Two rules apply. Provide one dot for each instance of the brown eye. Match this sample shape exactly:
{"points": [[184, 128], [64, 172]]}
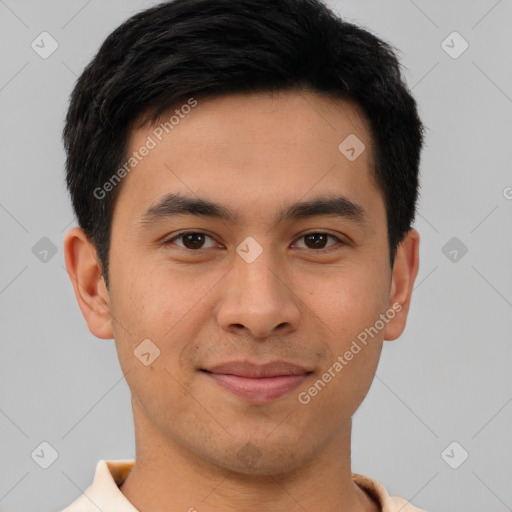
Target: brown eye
{"points": [[191, 240], [318, 240]]}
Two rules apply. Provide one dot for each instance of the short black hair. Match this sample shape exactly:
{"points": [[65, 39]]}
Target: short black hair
{"points": [[183, 49]]}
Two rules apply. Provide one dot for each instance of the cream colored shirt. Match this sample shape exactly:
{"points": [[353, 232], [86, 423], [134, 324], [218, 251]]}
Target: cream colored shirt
{"points": [[104, 494]]}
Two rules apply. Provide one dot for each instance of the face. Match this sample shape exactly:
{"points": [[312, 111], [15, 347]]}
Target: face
{"points": [[254, 281]]}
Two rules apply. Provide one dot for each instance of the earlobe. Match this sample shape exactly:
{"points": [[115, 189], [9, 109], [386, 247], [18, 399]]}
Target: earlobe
{"points": [[405, 270], [85, 272]]}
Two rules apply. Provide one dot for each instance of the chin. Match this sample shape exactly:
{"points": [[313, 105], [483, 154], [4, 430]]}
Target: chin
{"points": [[263, 457]]}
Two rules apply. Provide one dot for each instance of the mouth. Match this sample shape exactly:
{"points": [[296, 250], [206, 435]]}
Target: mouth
{"points": [[258, 383]]}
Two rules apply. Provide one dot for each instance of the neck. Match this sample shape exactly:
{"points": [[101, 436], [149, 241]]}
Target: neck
{"points": [[168, 477]]}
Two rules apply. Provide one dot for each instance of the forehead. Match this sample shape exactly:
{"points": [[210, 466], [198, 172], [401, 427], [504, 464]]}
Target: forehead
{"points": [[250, 150]]}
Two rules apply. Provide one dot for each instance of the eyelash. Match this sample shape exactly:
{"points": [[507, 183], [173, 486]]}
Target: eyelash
{"points": [[182, 233]]}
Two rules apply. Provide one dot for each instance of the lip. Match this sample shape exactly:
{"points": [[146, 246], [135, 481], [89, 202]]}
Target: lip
{"points": [[258, 383], [256, 371]]}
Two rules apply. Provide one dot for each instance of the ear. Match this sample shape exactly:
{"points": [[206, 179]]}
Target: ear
{"points": [[405, 270], [86, 276]]}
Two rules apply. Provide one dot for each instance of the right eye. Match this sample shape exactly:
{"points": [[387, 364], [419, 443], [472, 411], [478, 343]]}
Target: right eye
{"points": [[192, 240]]}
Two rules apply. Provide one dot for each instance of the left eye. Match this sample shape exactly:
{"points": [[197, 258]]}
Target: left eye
{"points": [[193, 240], [318, 240]]}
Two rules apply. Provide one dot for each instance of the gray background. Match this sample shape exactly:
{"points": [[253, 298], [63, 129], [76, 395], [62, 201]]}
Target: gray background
{"points": [[448, 378]]}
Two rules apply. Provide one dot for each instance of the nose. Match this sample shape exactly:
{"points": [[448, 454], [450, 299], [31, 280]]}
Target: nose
{"points": [[258, 300]]}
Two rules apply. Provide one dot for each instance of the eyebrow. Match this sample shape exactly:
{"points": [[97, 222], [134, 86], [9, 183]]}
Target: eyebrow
{"points": [[174, 204]]}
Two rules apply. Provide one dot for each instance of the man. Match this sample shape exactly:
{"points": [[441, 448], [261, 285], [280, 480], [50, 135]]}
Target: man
{"points": [[245, 177]]}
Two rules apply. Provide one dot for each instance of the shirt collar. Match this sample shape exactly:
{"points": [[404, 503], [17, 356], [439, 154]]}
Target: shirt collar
{"points": [[104, 493]]}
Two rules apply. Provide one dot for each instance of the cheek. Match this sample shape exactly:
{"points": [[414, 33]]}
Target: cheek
{"points": [[166, 308], [347, 300], [346, 314], [152, 333]]}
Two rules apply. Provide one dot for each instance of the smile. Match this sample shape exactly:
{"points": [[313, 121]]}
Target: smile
{"points": [[258, 389]]}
